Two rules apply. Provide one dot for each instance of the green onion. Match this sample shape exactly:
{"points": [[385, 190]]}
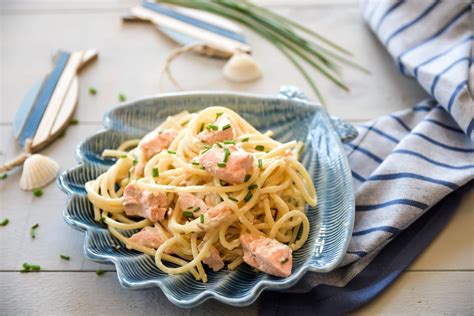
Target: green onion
{"points": [[122, 97], [229, 142], [213, 127], [74, 121], [260, 163], [30, 267], [226, 154], [201, 218], [172, 152], [38, 192], [5, 222], [221, 164], [3, 176], [232, 198], [185, 123], [202, 168], [219, 145], [227, 126], [260, 148], [134, 162], [219, 114], [92, 91], [124, 156], [252, 186], [64, 257], [195, 163], [248, 196], [100, 272], [101, 219], [188, 214], [247, 177], [155, 172], [244, 140], [201, 128], [196, 209], [33, 230]]}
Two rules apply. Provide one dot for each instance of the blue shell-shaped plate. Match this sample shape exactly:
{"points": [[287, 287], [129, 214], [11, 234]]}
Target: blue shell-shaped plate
{"points": [[331, 220]]}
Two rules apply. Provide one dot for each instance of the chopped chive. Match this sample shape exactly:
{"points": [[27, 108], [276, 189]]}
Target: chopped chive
{"points": [[252, 186], [34, 267], [247, 177], [219, 145], [188, 214], [122, 97], [202, 168], [155, 172], [38, 192], [92, 91], [260, 148], [33, 230], [30, 267], [189, 207], [244, 140], [64, 257], [260, 163], [227, 126], [201, 128], [101, 219], [100, 272], [221, 164], [213, 127], [248, 196], [229, 142], [74, 121], [219, 114], [196, 209], [172, 152], [135, 162], [195, 163], [185, 123], [5, 222], [123, 156], [62, 134], [201, 218], [3, 176], [226, 154], [233, 199]]}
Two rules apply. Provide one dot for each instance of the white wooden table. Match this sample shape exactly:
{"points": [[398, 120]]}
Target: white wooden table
{"points": [[441, 281]]}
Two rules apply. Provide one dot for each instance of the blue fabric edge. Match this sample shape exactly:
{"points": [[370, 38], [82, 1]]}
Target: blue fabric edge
{"points": [[377, 276]]}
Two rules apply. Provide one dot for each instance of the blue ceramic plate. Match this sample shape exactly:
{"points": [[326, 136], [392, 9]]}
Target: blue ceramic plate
{"points": [[291, 118]]}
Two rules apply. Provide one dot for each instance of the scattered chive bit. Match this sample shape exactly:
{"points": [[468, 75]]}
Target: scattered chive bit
{"points": [[201, 128], [213, 127], [227, 126], [172, 152], [3, 176], [135, 162], [247, 178], [219, 114], [123, 156], [260, 163], [38, 192], [252, 186], [185, 123], [101, 219], [201, 218], [196, 209], [202, 168], [229, 142], [260, 147], [188, 214], [232, 198], [30, 267], [195, 163], [99, 272], [284, 260], [226, 154], [33, 230], [62, 134], [248, 196], [221, 164], [244, 140], [219, 145], [122, 97], [74, 121], [64, 257], [92, 91], [5, 222], [155, 172]]}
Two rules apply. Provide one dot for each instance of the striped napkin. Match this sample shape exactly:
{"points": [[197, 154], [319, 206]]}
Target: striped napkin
{"points": [[405, 163]]}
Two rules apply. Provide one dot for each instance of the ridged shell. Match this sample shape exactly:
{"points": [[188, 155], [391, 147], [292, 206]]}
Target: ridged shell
{"points": [[242, 67], [38, 170]]}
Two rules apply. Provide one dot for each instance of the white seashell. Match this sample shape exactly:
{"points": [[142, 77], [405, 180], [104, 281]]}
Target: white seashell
{"points": [[38, 170], [242, 67]]}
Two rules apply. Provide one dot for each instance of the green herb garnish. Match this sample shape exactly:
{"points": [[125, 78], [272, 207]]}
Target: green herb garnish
{"points": [[219, 114], [188, 214], [229, 142], [232, 198], [74, 121], [172, 152], [248, 196], [122, 97], [155, 172], [3, 176], [62, 134], [244, 140], [247, 177], [201, 128], [196, 209], [185, 123], [212, 127], [252, 186], [219, 145], [5, 222], [260, 163], [201, 218], [227, 126], [226, 154], [92, 91], [195, 163], [221, 164], [123, 156], [100, 272], [33, 230], [38, 192], [64, 257], [30, 267], [260, 147], [134, 162]]}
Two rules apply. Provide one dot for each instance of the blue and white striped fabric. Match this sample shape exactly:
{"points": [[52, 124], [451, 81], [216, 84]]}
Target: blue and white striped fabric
{"points": [[406, 162]]}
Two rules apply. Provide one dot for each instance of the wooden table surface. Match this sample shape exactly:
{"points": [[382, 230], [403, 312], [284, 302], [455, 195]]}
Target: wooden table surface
{"points": [[441, 281]]}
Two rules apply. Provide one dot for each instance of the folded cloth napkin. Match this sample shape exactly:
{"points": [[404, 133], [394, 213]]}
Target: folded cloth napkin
{"points": [[404, 163]]}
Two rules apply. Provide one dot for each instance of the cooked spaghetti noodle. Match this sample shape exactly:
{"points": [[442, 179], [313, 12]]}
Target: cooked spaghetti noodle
{"points": [[173, 165]]}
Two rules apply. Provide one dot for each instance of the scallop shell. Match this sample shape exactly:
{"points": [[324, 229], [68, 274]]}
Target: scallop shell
{"points": [[242, 67], [38, 171]]}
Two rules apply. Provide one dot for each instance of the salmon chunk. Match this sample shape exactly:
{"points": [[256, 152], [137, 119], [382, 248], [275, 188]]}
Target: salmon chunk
{"points": [[223, 132], [214, 217], [189, 202], [238, 165], [138, 202], [154, 142], [267, 255], [213, 260], [150, 237]]}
